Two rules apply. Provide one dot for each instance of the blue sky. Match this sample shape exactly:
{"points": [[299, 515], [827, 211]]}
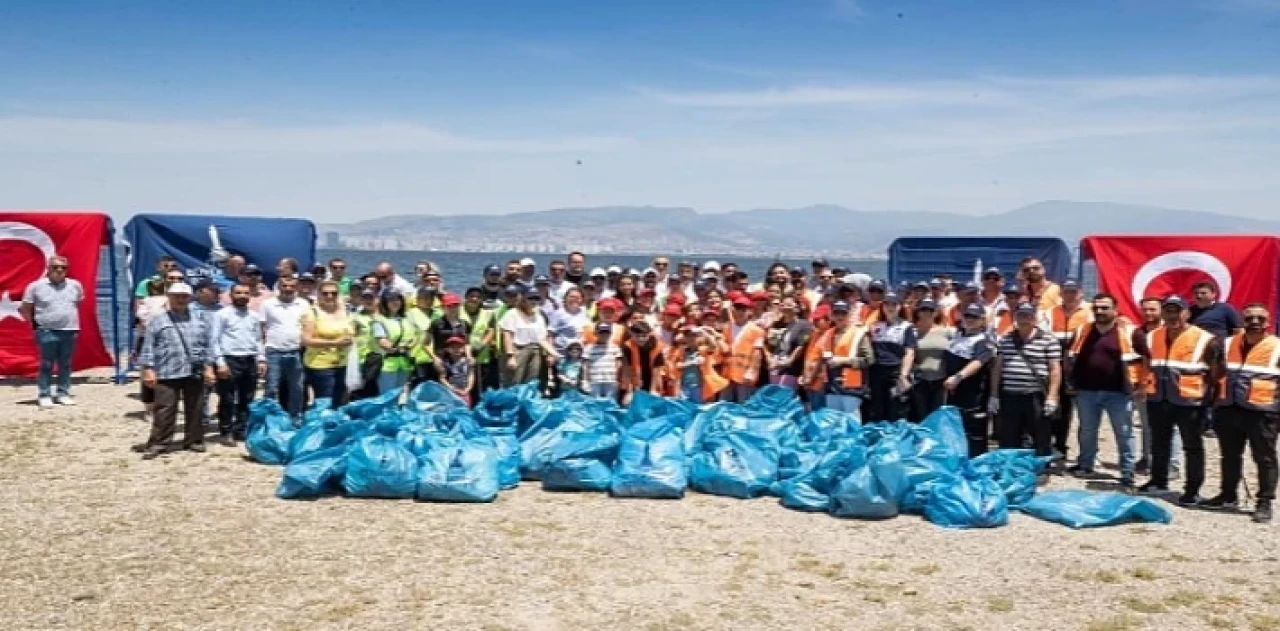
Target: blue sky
{"points": [[340, 110]]}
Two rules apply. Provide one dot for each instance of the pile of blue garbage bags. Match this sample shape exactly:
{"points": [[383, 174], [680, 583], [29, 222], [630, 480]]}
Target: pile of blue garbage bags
{"points": [[435, 449]]}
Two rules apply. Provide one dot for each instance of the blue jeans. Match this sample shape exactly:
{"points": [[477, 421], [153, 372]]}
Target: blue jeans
{"points": [[604, 390], [328, 383], [1090, 404], [392, 380], [1175, 458], [817, 400], [844, 403], [284, 371], [56, 348]]}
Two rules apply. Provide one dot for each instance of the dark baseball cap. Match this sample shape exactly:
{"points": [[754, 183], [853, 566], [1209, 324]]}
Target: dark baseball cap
{"points": [[840, 306], [975, 310], [927, 304], [819, 262], [1174, 301], [515, 289], [1070, 284], [252, 269], [492, 269], [1012, 288], [1025, 308], [992, 271], [542, 280]]}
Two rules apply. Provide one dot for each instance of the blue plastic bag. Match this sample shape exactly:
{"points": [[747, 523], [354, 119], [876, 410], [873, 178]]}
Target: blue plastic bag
{"points": [[372, 409], [874, 490], [434, 397], [570, 465], [947, 428], [1017, 471], [508, 447], [1089, 509], [735, 464], [314, 474], [968, 500], [464, 471], [650, 462], [322, 434], [268, 438], [645, 406], [501, 408], [379, 466], [811, 490]]}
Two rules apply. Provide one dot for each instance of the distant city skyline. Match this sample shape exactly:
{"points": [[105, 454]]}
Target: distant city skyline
{"points": [[341, 111]]}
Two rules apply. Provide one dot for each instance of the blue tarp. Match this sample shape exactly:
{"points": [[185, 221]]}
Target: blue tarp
{"points": [[261, 240], [921, 258]]}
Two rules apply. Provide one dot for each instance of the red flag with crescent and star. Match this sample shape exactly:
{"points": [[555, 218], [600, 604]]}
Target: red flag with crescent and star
{"points": [[1245, 269], [27, 240]]}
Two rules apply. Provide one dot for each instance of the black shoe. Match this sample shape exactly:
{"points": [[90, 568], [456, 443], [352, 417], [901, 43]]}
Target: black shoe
{"points": [[196, 447], [1220, 502], [154, 451], [239, 438], [1127, 485], [1262, 513], [1151, 488], [1142, 467], [1079, 471], [1189, 500], [226, 440]]}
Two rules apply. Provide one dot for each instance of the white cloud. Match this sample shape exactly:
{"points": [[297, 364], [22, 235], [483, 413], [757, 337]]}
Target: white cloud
{"points": [[88, 135], [983, 92]]}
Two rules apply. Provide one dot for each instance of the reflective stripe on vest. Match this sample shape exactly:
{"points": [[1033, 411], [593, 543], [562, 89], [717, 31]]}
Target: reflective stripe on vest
{"points": [[849, 380], [1133, 367], [818, 343], [1252, 382], [1178, 372], [1064, 325]]}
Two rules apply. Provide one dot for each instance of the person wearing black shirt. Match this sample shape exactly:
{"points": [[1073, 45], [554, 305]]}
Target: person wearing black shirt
{"points": [[450, 324], [1220, 319], [967, 363]]}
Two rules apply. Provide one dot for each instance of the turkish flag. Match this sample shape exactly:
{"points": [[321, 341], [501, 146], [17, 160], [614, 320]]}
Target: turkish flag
{"points": [[27, 241], [1245, 269]]}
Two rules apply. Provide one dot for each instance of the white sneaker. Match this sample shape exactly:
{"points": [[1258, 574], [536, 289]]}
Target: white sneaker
{"points": [[45, 403], [65, 399]]}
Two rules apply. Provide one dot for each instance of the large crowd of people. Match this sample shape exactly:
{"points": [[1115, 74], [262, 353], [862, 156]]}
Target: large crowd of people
{"points": [[1020, 356]]}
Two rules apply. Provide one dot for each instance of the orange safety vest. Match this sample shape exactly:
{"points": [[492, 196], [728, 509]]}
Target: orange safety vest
{"points": [[1178, 371], [1064, 325], [1251, 381], [635, 364], [847, 380], [743, 363], [1004, 322], [813, 368], [1047, 299], [1134, 369], [868, 314], [712, 382]]}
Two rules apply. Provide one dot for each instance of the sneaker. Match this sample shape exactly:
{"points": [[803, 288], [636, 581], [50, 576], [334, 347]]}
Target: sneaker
{"points": [[1151, 488], [65, 399], [1262, 513], [1220, 502], [45, 403], [1189, 500], [1079, 471], [1142, 467], [196, 447], [226, 440]]}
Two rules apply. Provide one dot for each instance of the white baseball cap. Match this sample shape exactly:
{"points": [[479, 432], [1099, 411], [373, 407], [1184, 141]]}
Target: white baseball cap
{"points": [[711, 265], [179, 288], [528, 262], [599, 271], [614, 269]]}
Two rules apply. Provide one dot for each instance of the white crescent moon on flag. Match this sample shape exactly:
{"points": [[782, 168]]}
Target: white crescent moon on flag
{"points": [[1183, 259], [19, 231]]}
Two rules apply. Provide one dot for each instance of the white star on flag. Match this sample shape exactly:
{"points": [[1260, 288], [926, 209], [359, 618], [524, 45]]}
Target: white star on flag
{"points": [[9, 308]]}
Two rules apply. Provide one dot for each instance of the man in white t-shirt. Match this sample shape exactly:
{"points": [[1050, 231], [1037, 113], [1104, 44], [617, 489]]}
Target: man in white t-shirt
{"points": [[282, 331]]}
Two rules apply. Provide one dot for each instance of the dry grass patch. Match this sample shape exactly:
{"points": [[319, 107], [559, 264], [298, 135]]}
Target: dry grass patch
{"points": [[999, 605], [1139, 605], [1264, 622], [1220, 623], [926, 570], [1122, 622], [1185, 598], [1143, 573]]}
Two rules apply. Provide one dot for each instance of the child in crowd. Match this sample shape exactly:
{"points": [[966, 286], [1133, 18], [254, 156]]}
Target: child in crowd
{"points": [[642, 365], [571, 370], [601, 363], [455, 368]]}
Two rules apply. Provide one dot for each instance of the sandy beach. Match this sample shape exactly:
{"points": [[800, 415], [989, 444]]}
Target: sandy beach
{"points": [[96, 538]]}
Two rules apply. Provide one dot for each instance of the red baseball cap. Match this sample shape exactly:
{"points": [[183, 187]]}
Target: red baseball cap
{"points": [[451, 300], [734, 295], [647, 291], [673, 310], [822, 311], [609, 303], [760, 296], [677, 299], [743, 301]]}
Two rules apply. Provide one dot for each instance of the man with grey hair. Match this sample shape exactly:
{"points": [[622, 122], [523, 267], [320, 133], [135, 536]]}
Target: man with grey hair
{"points": [[177, 362], [52, 305]]}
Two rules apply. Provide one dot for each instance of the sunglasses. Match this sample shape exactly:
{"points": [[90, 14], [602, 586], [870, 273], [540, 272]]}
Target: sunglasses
{"points": [[659, 264], [1031, 268], [328, 293], [971, 317], [173, 279], [57, 267], [1259, 319], [338, 267]]}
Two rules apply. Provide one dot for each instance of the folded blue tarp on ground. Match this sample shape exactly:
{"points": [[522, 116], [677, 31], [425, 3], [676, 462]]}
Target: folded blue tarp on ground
{"points": [[1089, 509]]}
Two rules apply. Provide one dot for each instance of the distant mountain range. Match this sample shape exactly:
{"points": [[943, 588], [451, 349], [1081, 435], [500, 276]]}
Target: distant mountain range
{"points": [[831, 230]]}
